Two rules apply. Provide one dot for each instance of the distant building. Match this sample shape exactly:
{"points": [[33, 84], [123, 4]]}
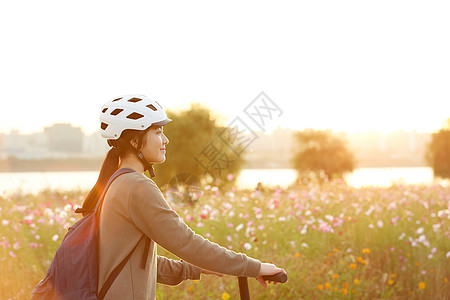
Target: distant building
{"points": [[394, 149], [64, 139], [275, 150], [3, 150], [29, 146], [56, 141], [371, 149], [94, 145]]}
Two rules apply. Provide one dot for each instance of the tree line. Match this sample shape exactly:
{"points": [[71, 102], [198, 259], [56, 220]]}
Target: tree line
{"points": [[197, 152]]}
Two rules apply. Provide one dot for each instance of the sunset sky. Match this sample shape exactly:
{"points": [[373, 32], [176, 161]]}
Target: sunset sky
{"points": [[344, 65]]}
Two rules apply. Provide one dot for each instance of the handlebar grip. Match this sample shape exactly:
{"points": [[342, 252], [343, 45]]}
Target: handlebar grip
{"points": [[279, 277]]}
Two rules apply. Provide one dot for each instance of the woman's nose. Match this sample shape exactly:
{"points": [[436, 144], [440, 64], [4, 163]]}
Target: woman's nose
{"points": [[165, 140]]}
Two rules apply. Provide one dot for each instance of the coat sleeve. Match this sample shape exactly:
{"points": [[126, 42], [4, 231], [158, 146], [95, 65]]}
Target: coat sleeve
{"points": [[173, 272], [151, 213]]}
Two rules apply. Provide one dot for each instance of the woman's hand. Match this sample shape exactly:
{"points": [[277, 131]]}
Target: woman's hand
{"points": [[268, 269]]}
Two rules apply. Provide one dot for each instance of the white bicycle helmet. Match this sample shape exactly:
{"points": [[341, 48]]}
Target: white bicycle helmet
{"points": [[130, 112]]}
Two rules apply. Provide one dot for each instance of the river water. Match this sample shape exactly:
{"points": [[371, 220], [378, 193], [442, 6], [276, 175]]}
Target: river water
{"points": [[33, 182]]}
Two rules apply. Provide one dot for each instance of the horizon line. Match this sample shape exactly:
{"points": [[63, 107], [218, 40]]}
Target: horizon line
{"points": [[89, 132]]}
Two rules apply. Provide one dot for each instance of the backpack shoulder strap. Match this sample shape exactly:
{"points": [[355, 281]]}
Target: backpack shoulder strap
{"points": [[109, 281], [111, 179]]}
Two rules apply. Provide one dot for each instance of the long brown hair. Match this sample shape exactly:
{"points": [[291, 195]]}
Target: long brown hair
{"points": [[120, 148]]}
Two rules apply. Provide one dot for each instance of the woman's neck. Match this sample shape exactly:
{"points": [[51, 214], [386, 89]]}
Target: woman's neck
{"points": [[132, 162]]}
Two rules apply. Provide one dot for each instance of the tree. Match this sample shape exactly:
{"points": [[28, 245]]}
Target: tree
{"points": [[194, 145], [320, 151], [438, 152]]}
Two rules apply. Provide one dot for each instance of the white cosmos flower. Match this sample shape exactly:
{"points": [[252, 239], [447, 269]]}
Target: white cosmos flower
{"points": [[68, 208], [303, 231], [380, 224], [436, 226], [247, 246]]}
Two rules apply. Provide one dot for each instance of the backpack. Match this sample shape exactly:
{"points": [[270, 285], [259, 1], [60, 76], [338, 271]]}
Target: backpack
{"points": [[73, 273]]}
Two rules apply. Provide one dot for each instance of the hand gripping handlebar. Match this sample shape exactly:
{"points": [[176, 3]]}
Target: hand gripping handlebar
{"points": [[243, 283], [280, 277]]}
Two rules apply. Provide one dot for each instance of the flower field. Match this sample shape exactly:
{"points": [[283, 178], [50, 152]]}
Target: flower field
{"points": [[335, 241]]}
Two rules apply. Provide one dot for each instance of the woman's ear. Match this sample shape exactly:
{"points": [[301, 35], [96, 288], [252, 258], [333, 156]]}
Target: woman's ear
{"points": [[134, 143]]}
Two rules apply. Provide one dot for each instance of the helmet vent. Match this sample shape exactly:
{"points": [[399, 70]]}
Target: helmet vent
{"points": [[116, 111], [152, 107], [159, 104], [134, 116], [105, 109], [104, 126], [116, 99], [134, 100]]}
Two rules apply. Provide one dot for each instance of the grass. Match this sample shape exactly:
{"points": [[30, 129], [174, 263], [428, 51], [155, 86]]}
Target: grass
{"points": [[335, 241]]}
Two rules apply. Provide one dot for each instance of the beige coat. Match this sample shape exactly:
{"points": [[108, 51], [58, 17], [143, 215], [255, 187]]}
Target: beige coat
{"points": [[134, 205]]}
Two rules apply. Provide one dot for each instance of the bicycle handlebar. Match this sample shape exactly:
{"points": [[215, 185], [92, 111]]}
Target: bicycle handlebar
{"points": [[279, 277], [243, 284]]}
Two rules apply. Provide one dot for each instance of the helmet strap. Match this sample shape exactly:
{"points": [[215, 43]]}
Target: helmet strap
{"points": [[147, 166]]}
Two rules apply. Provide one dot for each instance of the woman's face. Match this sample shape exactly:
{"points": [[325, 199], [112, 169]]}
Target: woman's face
{"points": [[154, 147]]}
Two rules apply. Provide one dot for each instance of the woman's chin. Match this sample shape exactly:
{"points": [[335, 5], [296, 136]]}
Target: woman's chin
{"points": [[160, 161]]}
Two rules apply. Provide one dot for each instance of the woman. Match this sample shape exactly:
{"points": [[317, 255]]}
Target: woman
{"points": [[134, 207]]}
